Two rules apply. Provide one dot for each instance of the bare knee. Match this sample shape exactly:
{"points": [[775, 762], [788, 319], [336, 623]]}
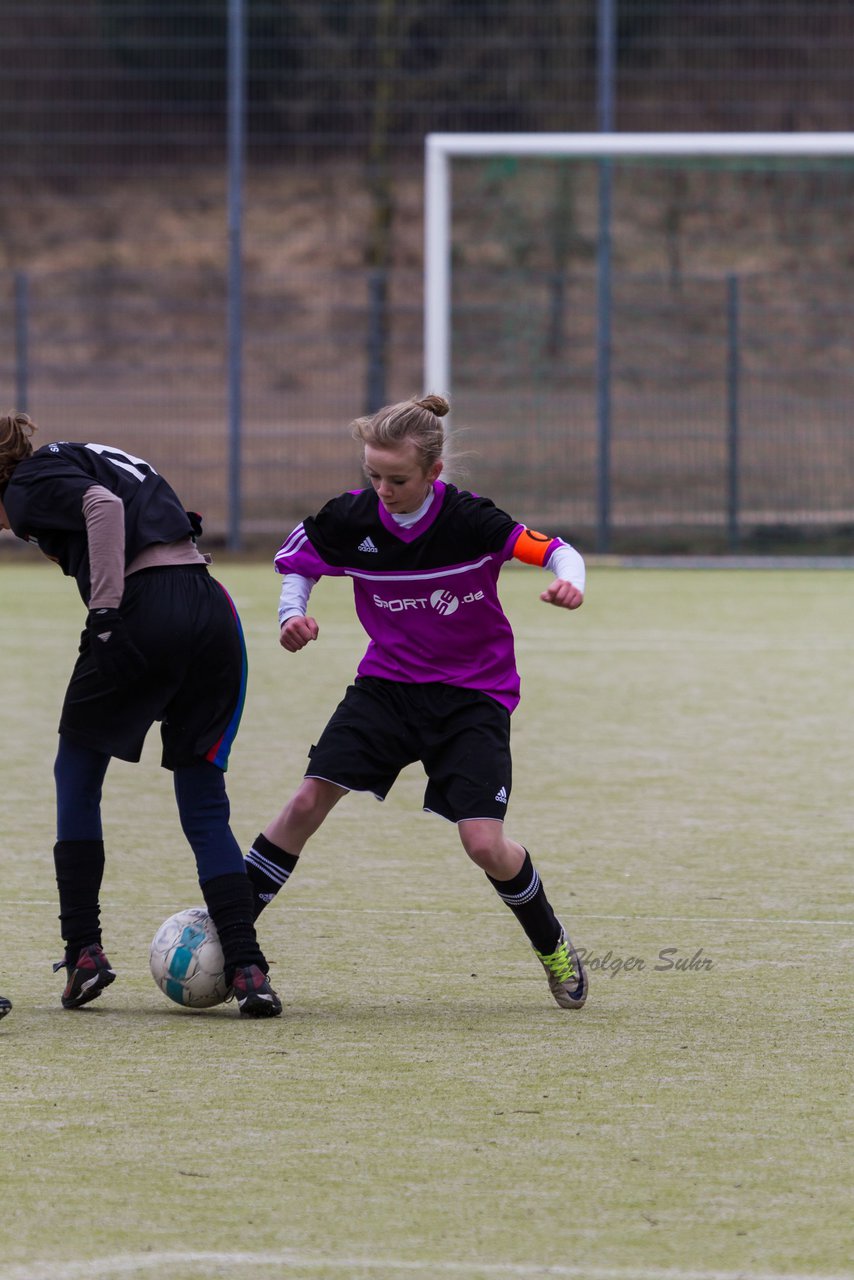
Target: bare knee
{"points": [[302, 815], [314, 798], [487, 846]]}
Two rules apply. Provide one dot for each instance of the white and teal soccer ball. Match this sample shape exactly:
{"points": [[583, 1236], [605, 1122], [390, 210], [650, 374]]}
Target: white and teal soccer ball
{"points": [[186, 960]]}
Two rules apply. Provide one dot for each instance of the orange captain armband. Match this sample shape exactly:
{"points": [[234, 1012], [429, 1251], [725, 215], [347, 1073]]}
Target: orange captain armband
{"points": [[532, 547]]}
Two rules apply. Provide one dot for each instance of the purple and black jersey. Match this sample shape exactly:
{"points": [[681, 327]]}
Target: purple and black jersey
{"points": [[427, 595], [44, 503]]}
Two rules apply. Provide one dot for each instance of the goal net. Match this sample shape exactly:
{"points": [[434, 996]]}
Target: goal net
{"points": [[647, 339]]}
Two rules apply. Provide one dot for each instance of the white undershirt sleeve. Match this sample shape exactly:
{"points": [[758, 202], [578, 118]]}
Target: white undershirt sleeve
{"points": [[566, 563], [293, 601], [104, 514]]}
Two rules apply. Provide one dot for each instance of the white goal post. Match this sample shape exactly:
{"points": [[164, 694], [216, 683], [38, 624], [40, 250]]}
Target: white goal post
{"points": [[441, 148]]}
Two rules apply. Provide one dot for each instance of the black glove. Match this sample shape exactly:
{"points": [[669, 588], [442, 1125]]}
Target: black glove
{"points": [[113, 652], [195, 523]]}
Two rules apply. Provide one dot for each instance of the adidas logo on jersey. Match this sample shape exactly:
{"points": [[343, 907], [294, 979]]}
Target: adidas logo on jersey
{"points": [[367, 545], [501, 797]]}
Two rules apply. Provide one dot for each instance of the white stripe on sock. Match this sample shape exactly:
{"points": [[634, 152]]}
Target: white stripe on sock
{"points": [[519, 899], [278, 875]]}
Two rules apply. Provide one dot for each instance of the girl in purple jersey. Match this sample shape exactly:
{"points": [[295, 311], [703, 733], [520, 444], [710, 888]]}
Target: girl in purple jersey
{"points": [[162, 642], [438, 681]]}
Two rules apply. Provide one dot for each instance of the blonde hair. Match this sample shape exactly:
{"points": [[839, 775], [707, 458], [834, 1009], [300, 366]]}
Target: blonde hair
{"points": [[15, 444], [417, 420]]}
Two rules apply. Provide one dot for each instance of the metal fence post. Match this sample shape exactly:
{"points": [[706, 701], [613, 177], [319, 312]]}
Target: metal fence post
{"points": [[22, 340], [234, 301], [606, 32], [375, 396], [733, 311]]}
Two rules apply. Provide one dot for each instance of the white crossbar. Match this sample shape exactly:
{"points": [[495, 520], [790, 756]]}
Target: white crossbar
{"points": [[440, 147]]}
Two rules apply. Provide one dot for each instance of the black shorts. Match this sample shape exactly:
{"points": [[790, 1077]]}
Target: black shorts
{"points": [[461, 736], [186, 626]]}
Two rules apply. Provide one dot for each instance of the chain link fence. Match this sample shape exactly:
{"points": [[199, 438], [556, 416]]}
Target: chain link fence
{"points": [[732, 323]]}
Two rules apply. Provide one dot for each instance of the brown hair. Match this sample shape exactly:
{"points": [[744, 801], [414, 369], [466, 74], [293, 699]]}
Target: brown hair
{"points": [[15, 444], [416, 420]]}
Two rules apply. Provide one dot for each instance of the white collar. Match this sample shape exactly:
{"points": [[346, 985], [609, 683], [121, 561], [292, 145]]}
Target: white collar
{"points": [[406, 519]]}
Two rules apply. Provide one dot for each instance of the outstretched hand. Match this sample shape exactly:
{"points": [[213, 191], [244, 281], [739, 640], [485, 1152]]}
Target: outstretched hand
{"points": [[296, 633], [563, 594]]}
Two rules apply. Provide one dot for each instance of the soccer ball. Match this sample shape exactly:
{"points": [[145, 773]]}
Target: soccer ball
{"points": [[186, 960]]}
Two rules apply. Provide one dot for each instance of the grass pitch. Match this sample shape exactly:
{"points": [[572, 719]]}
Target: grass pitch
{"points": [[682, 778]]}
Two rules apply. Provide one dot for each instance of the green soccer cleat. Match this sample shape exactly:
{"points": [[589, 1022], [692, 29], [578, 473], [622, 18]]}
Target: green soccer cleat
{"points": [[565, 972]]}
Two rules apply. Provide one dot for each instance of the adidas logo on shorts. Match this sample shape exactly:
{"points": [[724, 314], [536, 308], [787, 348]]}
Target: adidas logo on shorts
{"points": [[501, 796], [367, 545]]}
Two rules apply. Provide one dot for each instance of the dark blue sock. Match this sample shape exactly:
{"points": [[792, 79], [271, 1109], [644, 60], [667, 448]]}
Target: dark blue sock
{"points": [[204, 811], [79, 776]]}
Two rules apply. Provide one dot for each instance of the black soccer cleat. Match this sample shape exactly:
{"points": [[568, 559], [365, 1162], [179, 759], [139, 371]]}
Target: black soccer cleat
{"points": [[253, 993], [5, 1006], [87, 977]]}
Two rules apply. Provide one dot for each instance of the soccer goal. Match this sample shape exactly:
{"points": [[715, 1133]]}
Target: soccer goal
{"points": [[648, 336]]}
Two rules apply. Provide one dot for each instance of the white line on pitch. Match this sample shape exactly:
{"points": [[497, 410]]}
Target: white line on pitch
{"points": [[576, 915], [583, 915], [127, 1265]]}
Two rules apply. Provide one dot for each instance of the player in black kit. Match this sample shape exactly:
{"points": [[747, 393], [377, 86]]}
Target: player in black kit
{"points": [[162, 642]]}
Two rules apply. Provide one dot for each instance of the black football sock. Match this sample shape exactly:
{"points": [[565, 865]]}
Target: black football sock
{"points": [[229, 902], [268, 868], [79, 870], [526, 898]]}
